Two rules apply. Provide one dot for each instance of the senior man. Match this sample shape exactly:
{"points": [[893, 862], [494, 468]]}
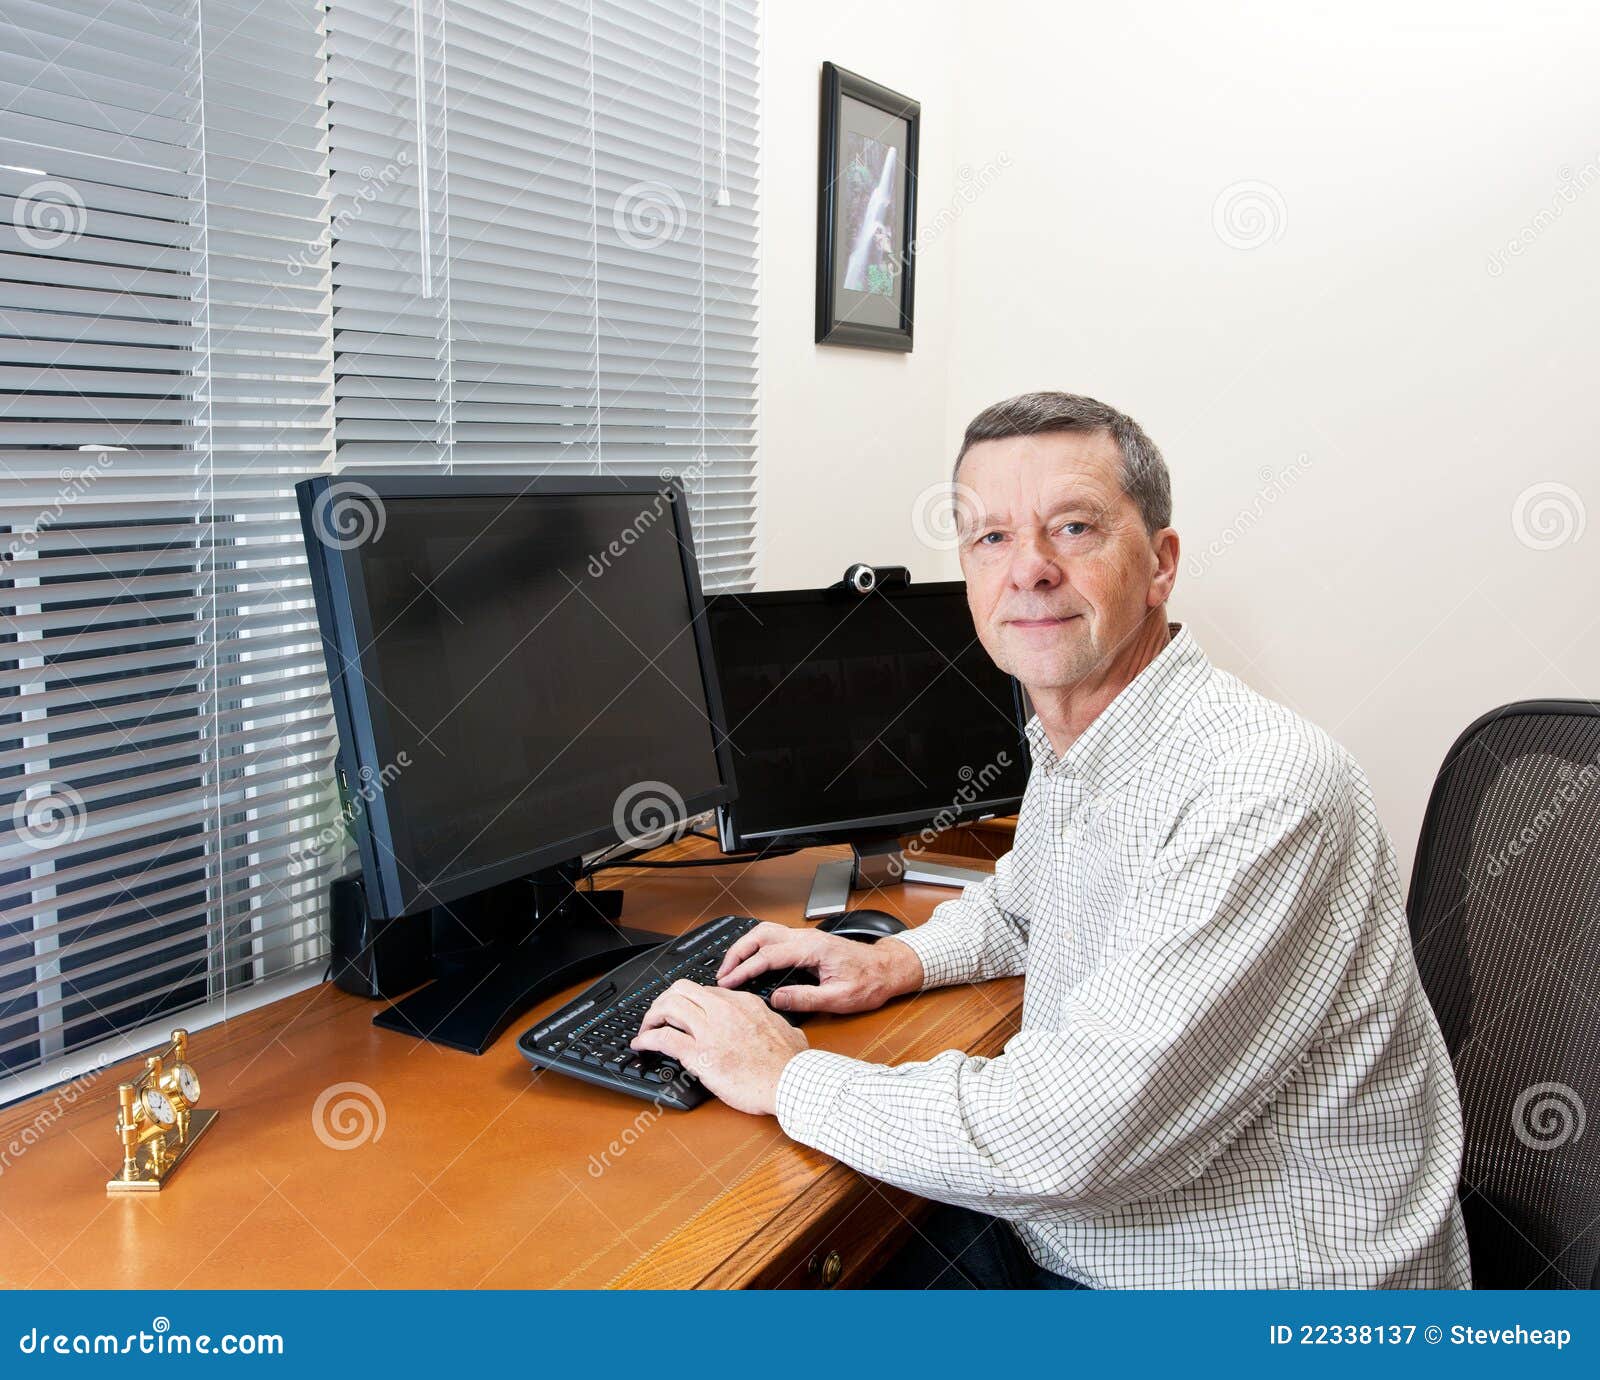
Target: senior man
{"points": [[1228, 1074]]}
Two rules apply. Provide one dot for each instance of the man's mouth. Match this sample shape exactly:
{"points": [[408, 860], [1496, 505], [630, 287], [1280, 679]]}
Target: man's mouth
{"points": [[1055, 622]]}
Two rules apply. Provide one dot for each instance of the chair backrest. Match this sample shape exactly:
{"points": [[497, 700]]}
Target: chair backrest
{"points": [[1505, 922]]}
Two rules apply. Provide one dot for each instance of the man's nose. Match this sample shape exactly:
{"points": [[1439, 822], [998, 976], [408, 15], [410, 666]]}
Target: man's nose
{"points": [[1033, 563]]}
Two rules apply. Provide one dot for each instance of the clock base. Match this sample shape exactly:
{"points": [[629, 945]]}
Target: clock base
{"points": [[151, 1181]]}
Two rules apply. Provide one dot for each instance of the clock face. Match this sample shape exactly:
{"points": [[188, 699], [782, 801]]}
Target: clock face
{"points": [[188, 1083], [159, 1107]]}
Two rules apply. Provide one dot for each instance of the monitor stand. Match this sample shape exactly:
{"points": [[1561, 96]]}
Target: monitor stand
{"points": [[553, 936], [875, 863]]}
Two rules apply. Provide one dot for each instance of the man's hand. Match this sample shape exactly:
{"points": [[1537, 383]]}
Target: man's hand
{"points": [[728, 1040], [851, 976]]}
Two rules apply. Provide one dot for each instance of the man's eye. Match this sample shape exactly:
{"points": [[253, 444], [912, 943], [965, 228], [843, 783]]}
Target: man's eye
{"points": [[1074, 529], [990, 538]]}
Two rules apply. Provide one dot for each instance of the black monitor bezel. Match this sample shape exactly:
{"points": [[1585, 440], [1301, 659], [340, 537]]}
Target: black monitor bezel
{"points": [[735, 838], [360, 708]]}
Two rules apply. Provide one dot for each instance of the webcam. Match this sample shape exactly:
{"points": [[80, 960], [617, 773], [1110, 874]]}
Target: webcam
{"points": [[863, 579]]}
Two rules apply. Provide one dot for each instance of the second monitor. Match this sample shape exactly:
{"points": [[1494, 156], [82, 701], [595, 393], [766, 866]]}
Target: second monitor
{"points": [[860, 718]]}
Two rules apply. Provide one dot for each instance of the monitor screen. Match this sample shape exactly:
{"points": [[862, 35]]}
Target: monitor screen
{"points": [[539, 672], [848, 712]]}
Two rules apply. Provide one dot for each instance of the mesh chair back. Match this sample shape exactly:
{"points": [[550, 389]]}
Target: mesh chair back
{"points": [[1505, 922]]}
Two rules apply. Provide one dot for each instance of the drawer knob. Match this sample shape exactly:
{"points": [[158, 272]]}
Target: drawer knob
{"points": [[832, 1268]]}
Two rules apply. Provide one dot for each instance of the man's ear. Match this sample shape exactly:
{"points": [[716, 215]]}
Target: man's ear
{"points": [[1164, 545]]}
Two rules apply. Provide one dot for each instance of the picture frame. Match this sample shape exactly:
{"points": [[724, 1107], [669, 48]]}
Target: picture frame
{"points": [[866, 213]]}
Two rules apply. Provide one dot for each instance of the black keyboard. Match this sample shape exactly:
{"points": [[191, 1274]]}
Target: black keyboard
{"points": [[588, 1038]]}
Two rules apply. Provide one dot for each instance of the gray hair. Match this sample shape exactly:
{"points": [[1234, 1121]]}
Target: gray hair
{"points": [[1144, 473]]}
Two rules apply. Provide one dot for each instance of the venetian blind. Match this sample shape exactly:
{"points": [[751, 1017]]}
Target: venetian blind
{"points": [[243, 243], [544, 253], [165, 362]]}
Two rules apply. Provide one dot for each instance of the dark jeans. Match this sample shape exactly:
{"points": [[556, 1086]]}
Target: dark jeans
{"points": [[956, 1248]]}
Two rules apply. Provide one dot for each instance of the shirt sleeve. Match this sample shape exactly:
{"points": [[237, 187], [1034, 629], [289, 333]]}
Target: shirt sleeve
{"points": [[1159, 1059], [974, 937]]}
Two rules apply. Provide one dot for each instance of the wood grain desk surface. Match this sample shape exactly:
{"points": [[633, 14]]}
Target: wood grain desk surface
{"points": [[463, 1172]]}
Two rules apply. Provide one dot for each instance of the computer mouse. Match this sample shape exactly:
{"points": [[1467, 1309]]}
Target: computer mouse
{"points": [[869, 926]]}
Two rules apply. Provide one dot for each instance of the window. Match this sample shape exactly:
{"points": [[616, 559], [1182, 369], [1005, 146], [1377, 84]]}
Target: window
{"points": [[544, 254], [167, 730], [244, 243]]}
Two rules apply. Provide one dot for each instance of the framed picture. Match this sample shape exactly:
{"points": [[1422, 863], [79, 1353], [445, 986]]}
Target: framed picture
{"points": [[866, 213]]}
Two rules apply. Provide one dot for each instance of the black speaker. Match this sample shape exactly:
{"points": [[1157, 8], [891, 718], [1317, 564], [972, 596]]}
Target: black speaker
{"points": [[376, 958]]}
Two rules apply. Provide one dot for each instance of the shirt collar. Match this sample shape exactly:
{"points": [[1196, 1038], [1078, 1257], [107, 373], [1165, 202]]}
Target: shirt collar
{"points": [[1137, 721]]}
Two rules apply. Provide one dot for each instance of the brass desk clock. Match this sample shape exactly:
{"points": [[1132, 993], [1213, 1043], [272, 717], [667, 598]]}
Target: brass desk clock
{"points": [[158, 1122]]}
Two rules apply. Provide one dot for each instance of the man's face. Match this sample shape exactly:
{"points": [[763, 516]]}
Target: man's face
{"points": [[1060, 569]]}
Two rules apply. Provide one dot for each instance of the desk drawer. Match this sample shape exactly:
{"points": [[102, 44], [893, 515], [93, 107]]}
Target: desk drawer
{"points": [[844, 1250]]}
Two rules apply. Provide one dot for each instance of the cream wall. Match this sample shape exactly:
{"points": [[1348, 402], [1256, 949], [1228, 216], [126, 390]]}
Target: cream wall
{"points": [[1270, 233], [847, 436]]}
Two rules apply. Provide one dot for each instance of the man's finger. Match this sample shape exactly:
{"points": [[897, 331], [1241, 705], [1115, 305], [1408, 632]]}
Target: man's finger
{"points": [[674, 1009], [764, 933], [737, 953], [828, 996], [665, 1040], [781, 955]]}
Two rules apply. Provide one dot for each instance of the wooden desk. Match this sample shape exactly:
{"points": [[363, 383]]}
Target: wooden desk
{"points": [[475, 1172]]}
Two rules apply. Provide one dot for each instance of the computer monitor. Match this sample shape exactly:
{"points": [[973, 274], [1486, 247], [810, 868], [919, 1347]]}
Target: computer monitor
{"points": [[521, 675], [859, 718]]}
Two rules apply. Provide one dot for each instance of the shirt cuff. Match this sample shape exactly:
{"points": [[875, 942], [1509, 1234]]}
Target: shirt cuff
{"points": [[950, 951], [809, 1088]]}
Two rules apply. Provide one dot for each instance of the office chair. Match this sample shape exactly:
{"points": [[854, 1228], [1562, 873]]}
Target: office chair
{"points": [[1505, 923]]}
